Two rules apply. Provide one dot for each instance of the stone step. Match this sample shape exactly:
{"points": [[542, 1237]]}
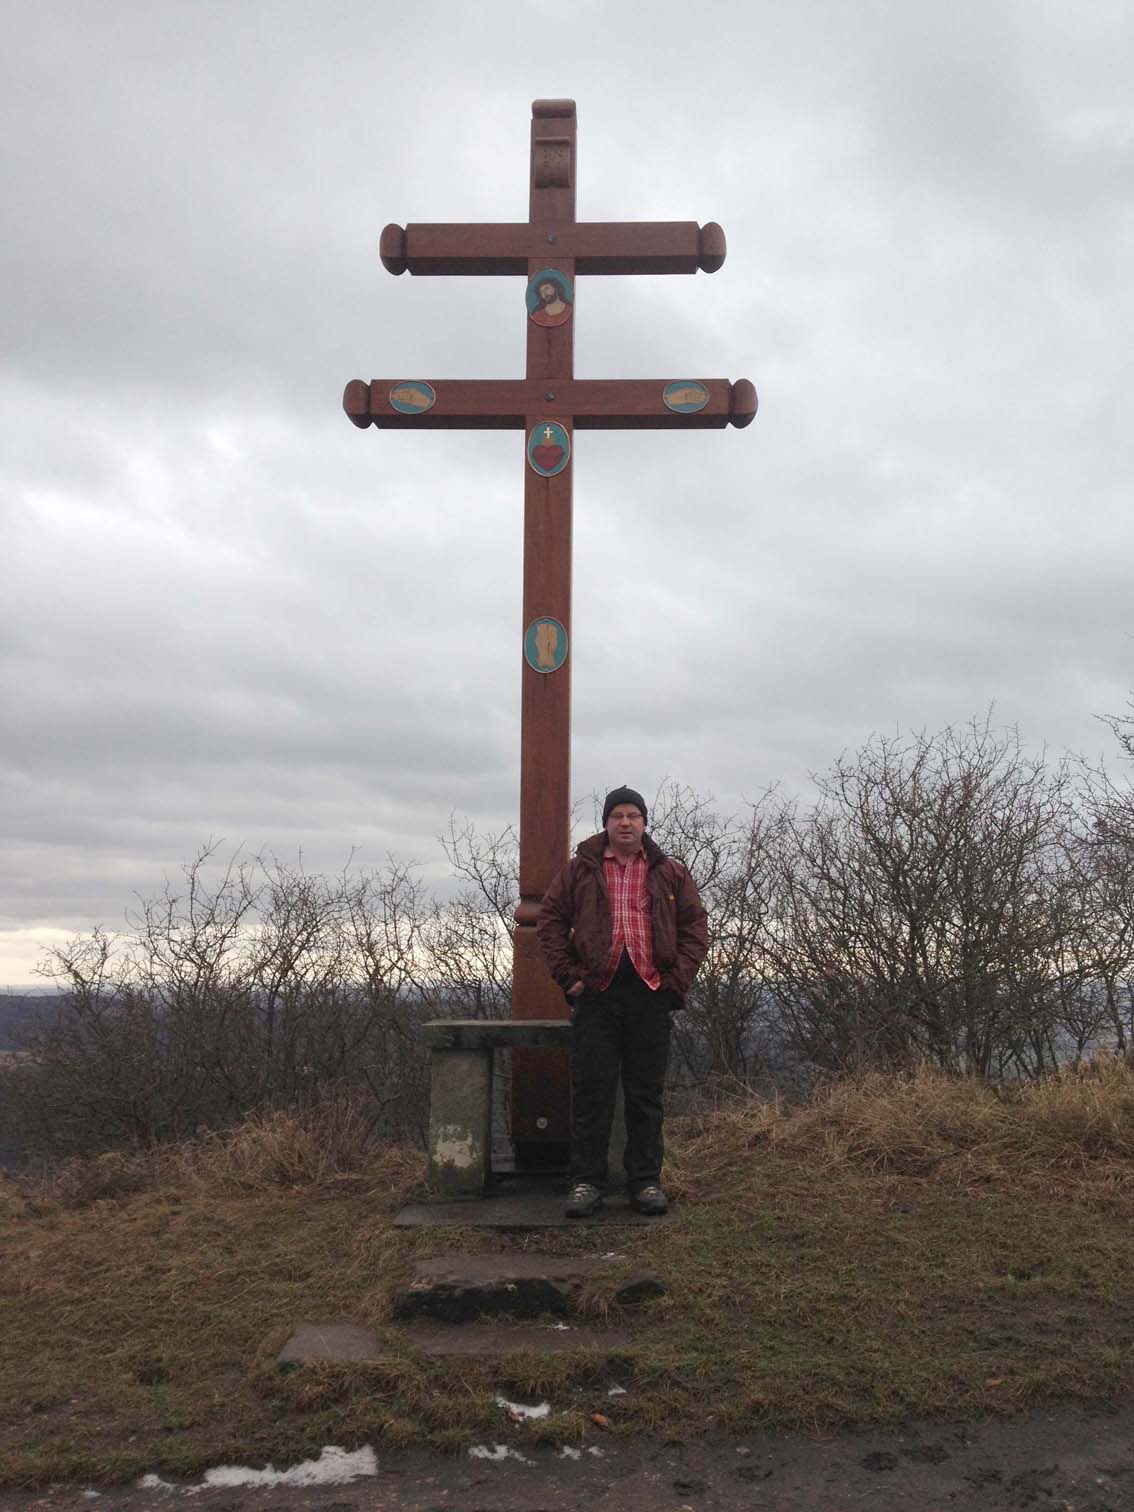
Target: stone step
{"points": [[492, 1340], [459, 1288], [518, 1208]]}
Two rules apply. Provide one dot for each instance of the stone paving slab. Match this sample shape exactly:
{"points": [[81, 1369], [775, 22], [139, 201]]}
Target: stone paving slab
{"points": [[316, 1343], [492, 1340], [522, 1210]]}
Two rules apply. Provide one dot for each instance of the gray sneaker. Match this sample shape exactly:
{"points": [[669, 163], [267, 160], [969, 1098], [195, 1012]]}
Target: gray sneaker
{"points": [[650, 1200], [582, 1200]]}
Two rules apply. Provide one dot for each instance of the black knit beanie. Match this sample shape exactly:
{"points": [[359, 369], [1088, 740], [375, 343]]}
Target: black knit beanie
{"points": [[623, 795]]}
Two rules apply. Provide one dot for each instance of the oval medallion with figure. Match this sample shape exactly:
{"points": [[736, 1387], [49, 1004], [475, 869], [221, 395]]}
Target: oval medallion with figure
{"points": [[685, 397], [549, 448], [550, 297], [412, 396], [545, 645]]}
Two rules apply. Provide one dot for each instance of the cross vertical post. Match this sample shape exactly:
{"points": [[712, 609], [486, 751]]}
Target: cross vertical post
{"points": [[540, 1092], [552, 251]]}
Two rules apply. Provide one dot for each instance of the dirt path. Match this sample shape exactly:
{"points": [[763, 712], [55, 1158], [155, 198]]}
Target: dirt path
{"points": [[1067, 1459]]}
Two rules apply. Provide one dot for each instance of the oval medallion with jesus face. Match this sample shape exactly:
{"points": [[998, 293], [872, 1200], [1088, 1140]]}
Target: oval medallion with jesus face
{"points": [[549, 297]]}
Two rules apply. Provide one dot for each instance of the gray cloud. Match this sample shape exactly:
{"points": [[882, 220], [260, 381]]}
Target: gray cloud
{"points": [[228, 613]]}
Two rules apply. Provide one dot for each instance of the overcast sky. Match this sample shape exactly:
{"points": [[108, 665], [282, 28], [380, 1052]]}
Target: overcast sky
{"points": [[229, 614]]}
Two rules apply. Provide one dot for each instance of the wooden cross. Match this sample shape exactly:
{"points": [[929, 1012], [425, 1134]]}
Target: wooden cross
{"points": [[550, 250]]}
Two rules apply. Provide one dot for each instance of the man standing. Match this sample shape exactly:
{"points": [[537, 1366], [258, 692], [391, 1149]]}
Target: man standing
{"points": [[623, 931]]}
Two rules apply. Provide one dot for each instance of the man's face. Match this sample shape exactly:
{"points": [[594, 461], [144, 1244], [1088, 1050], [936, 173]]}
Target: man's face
{"points": [[624, 827]]}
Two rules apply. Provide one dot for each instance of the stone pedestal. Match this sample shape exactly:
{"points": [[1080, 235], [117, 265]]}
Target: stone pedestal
{"points": [[460, 1122], [460, 1096]]}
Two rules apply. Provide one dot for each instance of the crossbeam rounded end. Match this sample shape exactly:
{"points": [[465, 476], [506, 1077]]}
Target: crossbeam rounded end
{"points": [[527, 912], [392, 248], [743, 403], [544, 110], [711, 247], [356, 402]]}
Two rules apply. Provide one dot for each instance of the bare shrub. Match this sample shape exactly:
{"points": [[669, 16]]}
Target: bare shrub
{"points": [[251, 987], [922, 907], [1102, 940], [730, 1035], [469, 935], [945, 900]]}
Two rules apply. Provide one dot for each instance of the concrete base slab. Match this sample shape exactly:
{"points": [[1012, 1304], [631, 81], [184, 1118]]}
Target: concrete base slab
{"points": [[492, 1340], [521, 1207], [315, 1343]]}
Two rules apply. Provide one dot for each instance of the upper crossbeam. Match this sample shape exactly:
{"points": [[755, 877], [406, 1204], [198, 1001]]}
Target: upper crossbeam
{"points": [[595, 246]]}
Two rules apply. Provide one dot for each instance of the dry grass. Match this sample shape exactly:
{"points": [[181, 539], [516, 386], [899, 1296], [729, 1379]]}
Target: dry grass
{"points": [[895, 1247], [329, 1142], [1076, 1122]]}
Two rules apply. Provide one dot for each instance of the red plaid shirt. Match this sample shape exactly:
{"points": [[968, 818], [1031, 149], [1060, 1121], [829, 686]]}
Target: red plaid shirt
{"points": [[630, 917]]}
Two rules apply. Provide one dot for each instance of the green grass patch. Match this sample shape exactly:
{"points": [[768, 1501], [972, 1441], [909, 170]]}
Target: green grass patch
{"points": [[894, 1249]]}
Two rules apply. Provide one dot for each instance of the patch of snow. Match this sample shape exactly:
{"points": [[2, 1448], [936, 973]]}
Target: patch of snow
{"points": [[560, 1327], [597, 1452], [92, 1495], [617, 1390], [334, 1467], [498, 1455], [520, 1412], [568, 1453]]}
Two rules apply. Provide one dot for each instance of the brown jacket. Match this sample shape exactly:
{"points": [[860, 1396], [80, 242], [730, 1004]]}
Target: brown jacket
{"points": [[575, 926]]}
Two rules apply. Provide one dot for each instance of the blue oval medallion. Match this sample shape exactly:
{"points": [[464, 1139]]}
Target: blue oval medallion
{"points": [[412, 397], [549, 448], [545, 645], [685, 397]]}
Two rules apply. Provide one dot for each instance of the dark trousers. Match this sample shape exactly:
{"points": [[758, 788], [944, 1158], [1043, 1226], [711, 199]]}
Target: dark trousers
{"points": [[622, 1030]]}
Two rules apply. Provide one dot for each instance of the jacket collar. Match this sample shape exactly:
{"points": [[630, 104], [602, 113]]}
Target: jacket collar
{"points": [[592, 849]]}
